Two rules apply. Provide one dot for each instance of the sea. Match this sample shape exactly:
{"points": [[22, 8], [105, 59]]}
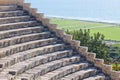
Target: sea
{"points": [[92, 10]]}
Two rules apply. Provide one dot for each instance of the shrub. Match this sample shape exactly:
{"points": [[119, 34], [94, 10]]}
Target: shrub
{"points": [[94, 43]]}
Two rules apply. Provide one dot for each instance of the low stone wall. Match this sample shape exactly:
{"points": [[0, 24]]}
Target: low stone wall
{"points": [[107, 69]]}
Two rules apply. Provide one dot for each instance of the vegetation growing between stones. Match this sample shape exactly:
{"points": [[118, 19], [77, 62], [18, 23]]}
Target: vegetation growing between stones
{"points": [[96, 44], [115, 55]]}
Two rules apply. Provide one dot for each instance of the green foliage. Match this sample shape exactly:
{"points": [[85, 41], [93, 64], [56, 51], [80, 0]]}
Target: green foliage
{"points": [[94, 43], [116, 66], [115, 57]]}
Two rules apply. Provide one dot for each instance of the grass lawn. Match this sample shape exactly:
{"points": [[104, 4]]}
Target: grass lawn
{"points": [[110, 31], [116, 45]]}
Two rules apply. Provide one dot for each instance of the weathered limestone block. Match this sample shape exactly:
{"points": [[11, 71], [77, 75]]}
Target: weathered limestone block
{"points": [[90, 56], [46, 22], [98, 77], [16, 70], [24, 38], [42, 69], [28, 64], [75, 44], [26, 77], [18, 32], [11, 13], [80, 74], [8, 8], [98, 62], [14, 19], [62, 72], [53, 27], [67, 38], [18, 25], [115, 75], [26, 6], [83, 50], [60, 33], [22, 47], [8, 2], [39, 16], [107, 68], [20, 2], [33, 11], [5, 77]]}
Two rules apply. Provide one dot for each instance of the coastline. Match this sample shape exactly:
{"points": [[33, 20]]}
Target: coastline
{"points": [[111, 33], [85, 20]]}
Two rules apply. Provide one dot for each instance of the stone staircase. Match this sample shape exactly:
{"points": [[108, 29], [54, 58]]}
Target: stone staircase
{"points": [[30, 50]]}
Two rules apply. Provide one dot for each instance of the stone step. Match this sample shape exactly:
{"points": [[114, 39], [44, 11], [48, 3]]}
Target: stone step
{"points": [[8, 7], [80, 75], [15, 19], [4, 77], [23, 38], [61, 72], [35, 61], [34, 73], [99, 76], [12, 13], [21, 56], [18, 25], [26, 46], [21, 31]]}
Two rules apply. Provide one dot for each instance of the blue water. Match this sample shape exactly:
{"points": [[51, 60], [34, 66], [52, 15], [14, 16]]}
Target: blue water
{"points": [[100, 10]]}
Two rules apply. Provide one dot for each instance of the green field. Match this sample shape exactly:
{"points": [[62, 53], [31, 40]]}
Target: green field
{"points": [[110, 31], [116, 45]]}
